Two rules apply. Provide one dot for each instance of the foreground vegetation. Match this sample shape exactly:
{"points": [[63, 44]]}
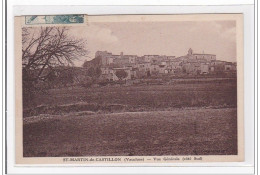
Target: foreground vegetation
{"points": [[178, 132], [107, 99], [184, 118]]}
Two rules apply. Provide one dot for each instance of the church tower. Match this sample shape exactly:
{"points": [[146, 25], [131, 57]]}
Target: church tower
{"points": [[190, 51]]}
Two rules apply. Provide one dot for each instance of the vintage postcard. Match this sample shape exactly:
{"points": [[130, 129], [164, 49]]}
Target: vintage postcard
{"points": [[129, 89]]}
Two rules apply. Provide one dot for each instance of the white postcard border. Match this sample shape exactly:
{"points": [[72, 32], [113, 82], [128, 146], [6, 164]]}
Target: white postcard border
{"points": [[248, 111]]}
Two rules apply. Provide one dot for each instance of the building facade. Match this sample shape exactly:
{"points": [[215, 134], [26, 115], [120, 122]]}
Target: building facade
{"points": [[149, 65]]}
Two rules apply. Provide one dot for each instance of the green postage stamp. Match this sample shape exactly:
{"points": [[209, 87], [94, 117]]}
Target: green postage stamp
{"points": [[54, 19]]}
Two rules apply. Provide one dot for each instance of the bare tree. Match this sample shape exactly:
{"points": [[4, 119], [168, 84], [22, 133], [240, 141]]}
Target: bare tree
{"points": [[45, 48]]}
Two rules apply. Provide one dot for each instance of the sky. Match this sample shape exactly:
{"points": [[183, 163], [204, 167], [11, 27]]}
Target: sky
{"points": [[172, 38]]}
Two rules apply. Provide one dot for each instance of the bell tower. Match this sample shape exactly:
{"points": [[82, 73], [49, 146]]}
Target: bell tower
{"points": [[190, 51]]}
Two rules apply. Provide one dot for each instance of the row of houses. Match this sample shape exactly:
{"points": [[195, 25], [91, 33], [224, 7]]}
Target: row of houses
{"points": [[149, 65]]}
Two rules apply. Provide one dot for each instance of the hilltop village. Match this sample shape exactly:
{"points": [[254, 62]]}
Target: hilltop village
{"points": [[191, 64]]}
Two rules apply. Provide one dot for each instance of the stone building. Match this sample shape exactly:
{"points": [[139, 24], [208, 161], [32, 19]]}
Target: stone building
{"points": [[109, 73], [106, 57], [147, 65], [198, 56]]}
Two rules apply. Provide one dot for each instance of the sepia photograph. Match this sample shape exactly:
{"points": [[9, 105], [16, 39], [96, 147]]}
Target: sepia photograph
{"points": [[130, 85]]}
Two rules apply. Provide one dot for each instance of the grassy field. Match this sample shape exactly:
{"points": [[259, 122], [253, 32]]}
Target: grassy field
{"points": [[134, 98], [178, 132], [177, 119]]}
